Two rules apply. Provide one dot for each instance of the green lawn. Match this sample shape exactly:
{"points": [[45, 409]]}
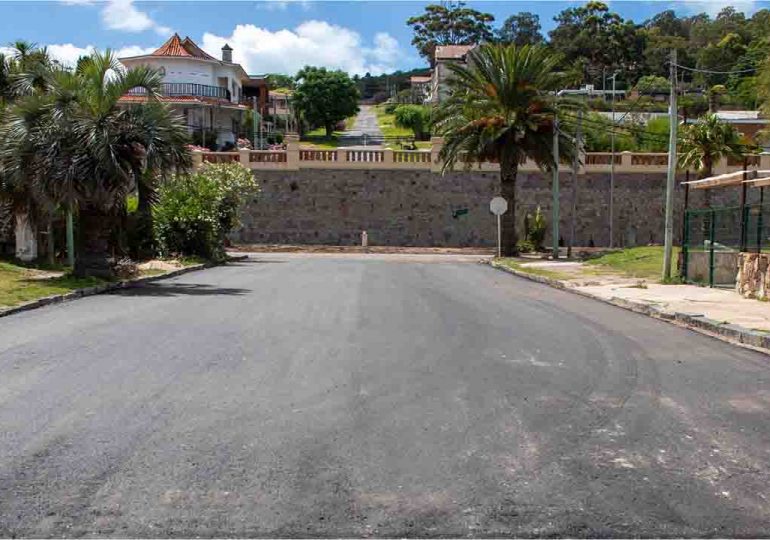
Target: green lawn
{"points": [[639, 262], [516, 264], [19, 284], [387, 123]]}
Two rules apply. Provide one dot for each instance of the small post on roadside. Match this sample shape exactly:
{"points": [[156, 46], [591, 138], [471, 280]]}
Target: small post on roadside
{"points": [[498, 206], [70, 239]]}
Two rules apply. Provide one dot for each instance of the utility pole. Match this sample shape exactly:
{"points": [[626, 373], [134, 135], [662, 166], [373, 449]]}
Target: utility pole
{"points": [[70, 238], [555, 188], [671, 177], [575, 165], [612, 167]]}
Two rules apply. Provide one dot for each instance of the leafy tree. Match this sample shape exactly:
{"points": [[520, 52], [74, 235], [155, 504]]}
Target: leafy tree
{"points": [[501, 107], [325, 97], [598, 40], [279, 80], [653, 83], [414, 117], [521, 29], [449, 23]]}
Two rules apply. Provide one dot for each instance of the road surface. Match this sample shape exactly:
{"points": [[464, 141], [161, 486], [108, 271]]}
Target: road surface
{"points": [[365, 129], [346, 395]]}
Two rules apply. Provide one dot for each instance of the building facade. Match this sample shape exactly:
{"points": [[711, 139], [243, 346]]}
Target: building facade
{"points": [[212, 94]]}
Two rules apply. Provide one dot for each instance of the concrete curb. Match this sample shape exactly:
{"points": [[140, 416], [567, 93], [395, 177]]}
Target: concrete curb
{"points": [[107, 287], [731, 333]]}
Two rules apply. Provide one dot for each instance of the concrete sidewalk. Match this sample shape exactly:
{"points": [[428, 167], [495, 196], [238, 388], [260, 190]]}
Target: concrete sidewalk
{"points": [[721, 311]]}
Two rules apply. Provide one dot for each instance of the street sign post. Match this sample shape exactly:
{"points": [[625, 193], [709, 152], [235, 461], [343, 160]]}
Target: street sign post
{"points": [[498, 206]]}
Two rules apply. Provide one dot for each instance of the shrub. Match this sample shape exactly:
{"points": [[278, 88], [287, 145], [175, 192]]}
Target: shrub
{"points": [[195, 212], [414, 117], [536, 226]]}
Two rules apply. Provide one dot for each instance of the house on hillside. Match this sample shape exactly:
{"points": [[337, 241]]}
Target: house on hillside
{"points": [[747, 123], [420, 87], [444, 56], [212, 94]]}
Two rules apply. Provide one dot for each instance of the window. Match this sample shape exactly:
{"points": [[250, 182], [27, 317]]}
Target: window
{"points": [[162, 71]]}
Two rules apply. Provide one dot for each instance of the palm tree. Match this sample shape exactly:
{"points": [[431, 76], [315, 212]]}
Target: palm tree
{"points": [[501, 107], [706, 142], [78, 146]]}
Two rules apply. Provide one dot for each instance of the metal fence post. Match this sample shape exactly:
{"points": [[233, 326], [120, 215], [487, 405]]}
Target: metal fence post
{"points": [[685, 243], [712, 230]]}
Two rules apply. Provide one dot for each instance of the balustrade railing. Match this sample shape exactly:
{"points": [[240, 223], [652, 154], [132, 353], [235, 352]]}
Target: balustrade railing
{"points": [[186, 89]]}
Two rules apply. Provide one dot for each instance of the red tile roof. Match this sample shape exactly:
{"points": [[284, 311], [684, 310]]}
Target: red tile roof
{"points": [[174, 99], [452, 52], [176, 46]]}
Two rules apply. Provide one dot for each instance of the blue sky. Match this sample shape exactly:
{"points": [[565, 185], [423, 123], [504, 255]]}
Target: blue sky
{"points": [[273, 36]]}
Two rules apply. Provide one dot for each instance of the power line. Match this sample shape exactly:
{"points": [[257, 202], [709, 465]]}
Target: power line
{"points": [[715, 72]]}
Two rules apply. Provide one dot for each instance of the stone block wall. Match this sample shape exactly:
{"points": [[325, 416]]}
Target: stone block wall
{"points": [[753, 279], [423, 208]]}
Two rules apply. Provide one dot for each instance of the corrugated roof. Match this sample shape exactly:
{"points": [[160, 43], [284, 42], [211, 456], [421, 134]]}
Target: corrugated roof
{"points": [[419, 79], [176, 46], [452, 52]]}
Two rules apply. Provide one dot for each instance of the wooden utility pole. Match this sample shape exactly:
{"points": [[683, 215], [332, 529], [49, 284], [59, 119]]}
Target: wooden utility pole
{"points": [[668, 239], [555, 188], [612, 168]]}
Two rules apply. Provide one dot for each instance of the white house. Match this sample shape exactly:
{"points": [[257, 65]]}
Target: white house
{"points": [[212, 94]]}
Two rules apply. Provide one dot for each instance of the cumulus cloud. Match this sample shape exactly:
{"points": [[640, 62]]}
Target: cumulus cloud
{"points": [[123, 15], [67, 54], [313, 42]]}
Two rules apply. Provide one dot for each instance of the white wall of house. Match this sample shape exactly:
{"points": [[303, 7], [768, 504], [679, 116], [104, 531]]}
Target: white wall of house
{"points": [[193, 70]]}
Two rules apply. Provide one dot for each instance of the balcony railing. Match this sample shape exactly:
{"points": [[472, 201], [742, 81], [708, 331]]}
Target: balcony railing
{"points": [[187, 89]]}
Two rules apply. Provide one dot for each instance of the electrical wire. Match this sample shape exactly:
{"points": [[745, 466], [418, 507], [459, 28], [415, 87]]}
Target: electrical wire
{"points": [[714, 72]]}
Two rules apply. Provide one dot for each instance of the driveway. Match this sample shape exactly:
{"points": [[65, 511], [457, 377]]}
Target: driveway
{"points": [[365, 130], [348, 395]]}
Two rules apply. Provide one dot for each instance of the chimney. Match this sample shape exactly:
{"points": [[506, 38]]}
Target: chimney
{"points": [[227, 53]]}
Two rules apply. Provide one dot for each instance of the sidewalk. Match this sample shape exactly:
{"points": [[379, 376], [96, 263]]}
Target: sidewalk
{"points": [[718, 311]]}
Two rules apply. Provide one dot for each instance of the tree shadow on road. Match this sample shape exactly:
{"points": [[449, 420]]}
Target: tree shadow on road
{"points": [[179, 289]]}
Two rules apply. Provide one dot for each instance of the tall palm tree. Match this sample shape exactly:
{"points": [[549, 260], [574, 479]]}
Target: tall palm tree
{"points": [[78, 146], [501, 107]]}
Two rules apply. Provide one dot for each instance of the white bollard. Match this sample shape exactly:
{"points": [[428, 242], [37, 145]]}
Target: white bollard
{"points": [[364, 239]]}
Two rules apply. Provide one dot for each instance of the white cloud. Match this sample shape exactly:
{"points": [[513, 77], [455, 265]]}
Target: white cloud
{"points": [[315, 43], [123, 15], [67, 54]]}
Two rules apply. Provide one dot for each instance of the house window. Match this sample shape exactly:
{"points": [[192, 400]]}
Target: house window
{"points": [[162, 71]]}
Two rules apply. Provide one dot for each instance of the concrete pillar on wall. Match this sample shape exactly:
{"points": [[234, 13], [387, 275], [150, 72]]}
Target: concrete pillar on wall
{"points": [[292, 151], [436, 144], [245, 157], [197, 159]]}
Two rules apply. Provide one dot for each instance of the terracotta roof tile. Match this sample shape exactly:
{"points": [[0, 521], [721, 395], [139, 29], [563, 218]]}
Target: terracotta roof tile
{"points": [[176, 46]]}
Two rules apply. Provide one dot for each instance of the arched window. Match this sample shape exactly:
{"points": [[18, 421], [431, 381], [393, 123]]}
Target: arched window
{"points": [[162, 71]]}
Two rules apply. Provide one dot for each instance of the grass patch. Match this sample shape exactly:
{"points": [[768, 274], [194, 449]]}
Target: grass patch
{"points": [[640, 262], [19, 284], [516, 264], [321, 141], [387, 123]]}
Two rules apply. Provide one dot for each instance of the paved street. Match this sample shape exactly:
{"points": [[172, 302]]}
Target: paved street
{"points": [[346, 395], [365, 129]]}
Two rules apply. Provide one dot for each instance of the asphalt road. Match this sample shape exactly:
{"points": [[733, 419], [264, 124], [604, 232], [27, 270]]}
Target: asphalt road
{"points": [[364, 129], [296, 395]]}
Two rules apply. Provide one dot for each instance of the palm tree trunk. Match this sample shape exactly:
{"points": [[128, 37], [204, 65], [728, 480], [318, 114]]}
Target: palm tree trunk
{"points": [[708, 170], [509, 168], [145, 247], [93, 256], [26, 238]]}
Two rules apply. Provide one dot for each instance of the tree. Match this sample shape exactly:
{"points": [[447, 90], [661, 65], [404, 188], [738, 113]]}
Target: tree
{"points": [[279, 80], [501, 107], [653, 83], [449, 23], [706, 142], [414, 117], [598, 40], [78, 147], [325, 97], [521, 29]]}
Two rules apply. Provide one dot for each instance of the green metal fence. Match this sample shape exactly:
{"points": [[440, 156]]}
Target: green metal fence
{"points": [[713, 237]]}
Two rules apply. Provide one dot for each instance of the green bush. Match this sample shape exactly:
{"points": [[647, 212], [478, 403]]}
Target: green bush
{"points": [[536, 226], [195, 212], [414, 117]]}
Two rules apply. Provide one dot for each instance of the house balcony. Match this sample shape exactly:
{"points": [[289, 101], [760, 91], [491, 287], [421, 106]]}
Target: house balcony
{"points": [[187, 89]]}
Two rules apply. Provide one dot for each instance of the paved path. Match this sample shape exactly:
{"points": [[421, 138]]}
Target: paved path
{"points": [[365, 128], [294, 395]]}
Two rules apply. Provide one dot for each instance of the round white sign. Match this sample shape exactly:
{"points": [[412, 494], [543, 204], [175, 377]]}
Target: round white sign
{"points": [[498, 206]]}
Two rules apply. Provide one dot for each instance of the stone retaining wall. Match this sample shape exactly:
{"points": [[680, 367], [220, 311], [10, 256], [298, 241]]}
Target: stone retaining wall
{"points": [[753, 279], [423, 208]]}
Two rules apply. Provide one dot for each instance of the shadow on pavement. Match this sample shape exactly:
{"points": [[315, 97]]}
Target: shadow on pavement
{"points": [[179, 289], [244, 262]]}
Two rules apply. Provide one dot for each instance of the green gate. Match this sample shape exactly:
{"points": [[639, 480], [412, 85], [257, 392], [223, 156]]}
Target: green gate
{"points": [[713, 238]]}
